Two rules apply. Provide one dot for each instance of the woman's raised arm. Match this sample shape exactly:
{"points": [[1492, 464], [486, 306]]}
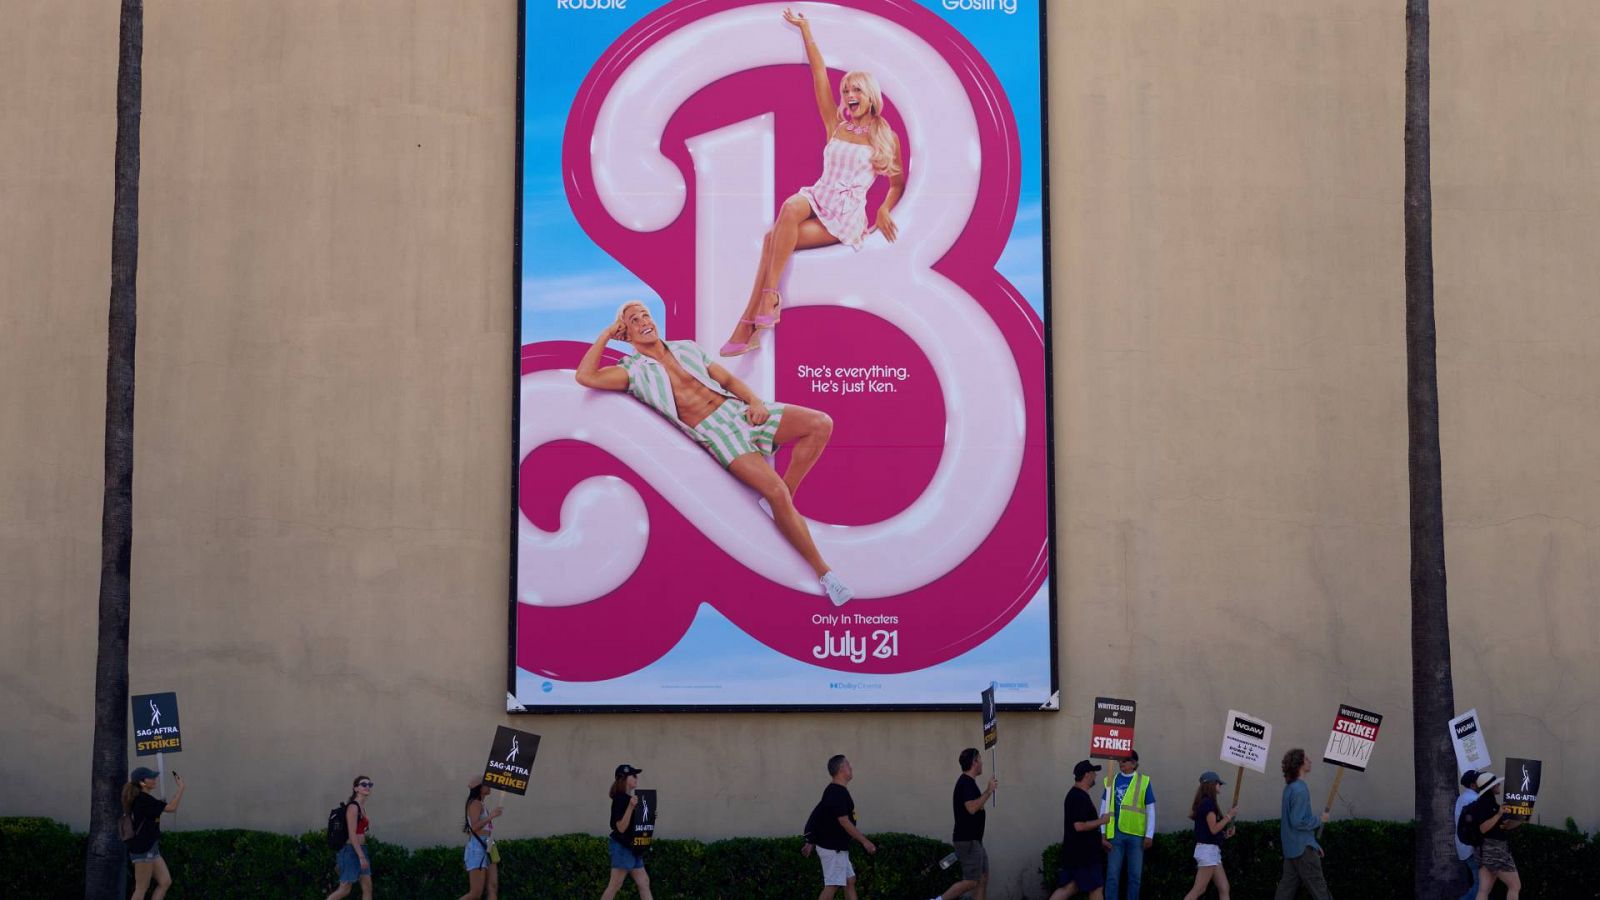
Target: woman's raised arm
{"points": [[826, 108]]}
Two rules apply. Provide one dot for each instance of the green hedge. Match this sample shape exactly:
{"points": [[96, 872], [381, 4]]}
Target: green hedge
{"points": [[44, 859], [1365, 859]]}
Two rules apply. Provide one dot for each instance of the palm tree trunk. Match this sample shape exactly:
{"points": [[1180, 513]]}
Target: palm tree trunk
{"points": [[1437, 871], [106, 866]]}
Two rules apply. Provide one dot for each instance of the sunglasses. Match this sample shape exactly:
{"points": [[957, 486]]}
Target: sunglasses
{"points": [[364, 784]]}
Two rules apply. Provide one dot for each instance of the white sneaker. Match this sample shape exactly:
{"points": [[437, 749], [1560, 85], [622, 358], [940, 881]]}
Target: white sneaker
{"points": [[837, 592]]}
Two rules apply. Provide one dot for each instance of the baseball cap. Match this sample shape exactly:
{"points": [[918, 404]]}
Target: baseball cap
{"points": [[624, 770], [1469, 778], [1083, 768], [475, 781], [1133, 755], [1486, 780], [141, 773], [1209, 776]]}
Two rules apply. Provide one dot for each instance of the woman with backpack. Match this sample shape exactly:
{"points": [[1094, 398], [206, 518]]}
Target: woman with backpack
{"points": [[1483, 819], [482, 857], [144, 811], [625, 860], [352, 862], [1211, 828]]}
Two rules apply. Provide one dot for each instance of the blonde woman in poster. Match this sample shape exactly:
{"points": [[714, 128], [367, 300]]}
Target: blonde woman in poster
{"points": [[861, 146]]}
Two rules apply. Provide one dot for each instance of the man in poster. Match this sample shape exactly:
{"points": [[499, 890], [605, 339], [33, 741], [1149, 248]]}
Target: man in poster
{"points": [[721, 414]]}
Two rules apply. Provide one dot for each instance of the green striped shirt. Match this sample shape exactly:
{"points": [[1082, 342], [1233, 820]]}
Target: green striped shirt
{"points": [[649, 383]]}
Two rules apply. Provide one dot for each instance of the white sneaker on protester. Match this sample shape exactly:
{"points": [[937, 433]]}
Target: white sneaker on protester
{"points": [[837, 592]]}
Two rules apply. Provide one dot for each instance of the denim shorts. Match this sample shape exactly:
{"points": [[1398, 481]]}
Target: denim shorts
{"points": [[476, 857], [349, 865], [151, 855], [624, 857]]}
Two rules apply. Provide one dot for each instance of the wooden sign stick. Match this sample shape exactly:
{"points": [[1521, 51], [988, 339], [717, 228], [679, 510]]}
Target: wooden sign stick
{"points": [[1238, 781], [1334, 792], [994, 798]]}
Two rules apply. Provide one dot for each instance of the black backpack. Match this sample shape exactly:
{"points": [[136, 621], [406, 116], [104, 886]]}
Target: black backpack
{"points": [[1467, 831], [338, 827]]}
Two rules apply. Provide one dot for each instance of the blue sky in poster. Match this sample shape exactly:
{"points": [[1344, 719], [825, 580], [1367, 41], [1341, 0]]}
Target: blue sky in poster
{"points": [[567, 280]]}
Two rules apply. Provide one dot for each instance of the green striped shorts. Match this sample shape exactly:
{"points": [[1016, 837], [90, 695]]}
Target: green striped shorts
{"points": [[727, 434]]}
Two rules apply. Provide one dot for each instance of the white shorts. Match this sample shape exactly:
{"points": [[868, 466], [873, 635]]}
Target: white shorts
{"points": [[1207, 855], [836, 868]]}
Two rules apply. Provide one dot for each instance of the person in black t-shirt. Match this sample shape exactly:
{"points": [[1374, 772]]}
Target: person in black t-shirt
{"points": [[966, 803], [625, 860], [144, 848], [830, 829], [1083, 862]]}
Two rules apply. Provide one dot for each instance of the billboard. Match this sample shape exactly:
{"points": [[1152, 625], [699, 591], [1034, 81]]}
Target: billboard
{"points": [[809, 466]]}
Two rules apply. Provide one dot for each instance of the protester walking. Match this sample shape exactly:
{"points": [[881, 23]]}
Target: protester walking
{"points": [[831, 827], [1082, 856], [1211, 828], [352, 862], [481, 857], [967, 804], [1494, 856], [1131, 829], [144, 808], [1469, 793], [1297, 829], [625, 858]]}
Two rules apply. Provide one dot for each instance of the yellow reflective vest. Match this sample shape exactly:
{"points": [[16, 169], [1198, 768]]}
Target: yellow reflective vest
{"points": [[1128, 817]]}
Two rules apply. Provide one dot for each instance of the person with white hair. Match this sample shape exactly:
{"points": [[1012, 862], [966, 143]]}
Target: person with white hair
{"points": [[724, 417]]}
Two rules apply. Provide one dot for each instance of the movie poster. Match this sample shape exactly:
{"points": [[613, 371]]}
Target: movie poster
{"points": [[782, 419]]}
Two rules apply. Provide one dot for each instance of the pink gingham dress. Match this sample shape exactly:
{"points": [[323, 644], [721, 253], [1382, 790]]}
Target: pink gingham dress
{"points": [[839, 198]]}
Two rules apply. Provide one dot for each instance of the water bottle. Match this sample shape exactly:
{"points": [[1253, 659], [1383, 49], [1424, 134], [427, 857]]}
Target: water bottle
{"points": [[948, 861]]}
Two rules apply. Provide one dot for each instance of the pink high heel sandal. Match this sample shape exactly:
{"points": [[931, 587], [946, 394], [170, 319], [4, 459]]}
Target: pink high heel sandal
{"points": [[761, 321], [734, 348]]}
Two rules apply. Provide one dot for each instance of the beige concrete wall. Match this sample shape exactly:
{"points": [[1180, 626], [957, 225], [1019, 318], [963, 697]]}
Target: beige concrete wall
{"points": [[323, 432]]}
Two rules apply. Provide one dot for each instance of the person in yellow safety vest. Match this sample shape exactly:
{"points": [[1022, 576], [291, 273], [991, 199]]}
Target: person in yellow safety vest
{"points": [[1131, 829]]}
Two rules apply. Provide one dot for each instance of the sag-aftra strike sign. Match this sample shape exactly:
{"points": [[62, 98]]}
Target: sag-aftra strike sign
{"points": [[511, 760], [1113, 729], [155, 724]]}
